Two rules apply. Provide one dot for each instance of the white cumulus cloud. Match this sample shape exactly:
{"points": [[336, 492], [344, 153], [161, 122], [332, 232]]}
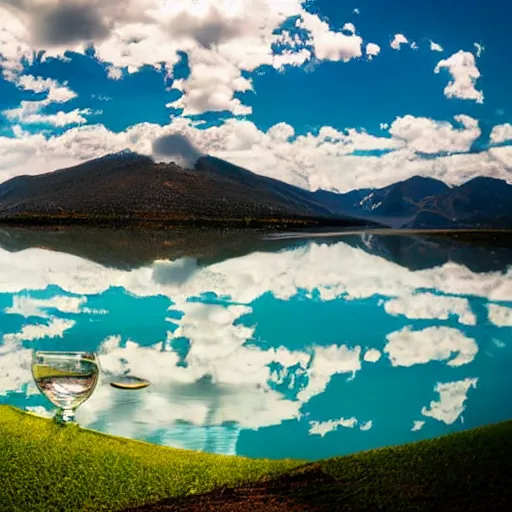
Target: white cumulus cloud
{"points": [[429, 305], [349, 27], [28, 306], [500, 316], [320, 428], [328, 44], [428, 136], [450, 405], [311, 161], [372, 355], [372, 50], [30, 112], [436, 47], [407, 347], [464, 73], [327, 362], [398, 41], [57, 93], [417, 425], [501, 133], [26, 115], [15, 372], [54, 329], [223, 38]]}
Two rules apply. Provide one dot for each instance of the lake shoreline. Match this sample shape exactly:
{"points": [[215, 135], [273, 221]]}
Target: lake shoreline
{"points": [[170, 221], [319, 225]]}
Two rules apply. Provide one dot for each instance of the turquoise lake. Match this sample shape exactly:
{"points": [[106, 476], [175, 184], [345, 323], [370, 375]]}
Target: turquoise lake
{"points": [[300, 348]]}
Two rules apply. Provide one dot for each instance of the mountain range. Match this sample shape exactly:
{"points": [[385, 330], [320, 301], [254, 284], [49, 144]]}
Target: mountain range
{"points": [[426, 203], [131, 188]]}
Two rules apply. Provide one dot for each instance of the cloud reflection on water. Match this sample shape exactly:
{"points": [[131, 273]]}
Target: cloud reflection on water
{"points": [[229, 380]]}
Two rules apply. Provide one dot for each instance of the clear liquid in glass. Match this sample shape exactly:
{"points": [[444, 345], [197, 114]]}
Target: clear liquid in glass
{"points": [[67, 379]]}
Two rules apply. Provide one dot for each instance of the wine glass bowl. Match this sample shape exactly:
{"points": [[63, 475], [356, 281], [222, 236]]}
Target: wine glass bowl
{"points": [[67, 379]]}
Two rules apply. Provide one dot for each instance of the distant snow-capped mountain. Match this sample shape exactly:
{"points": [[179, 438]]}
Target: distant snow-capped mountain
{"points": [[421, 202]]}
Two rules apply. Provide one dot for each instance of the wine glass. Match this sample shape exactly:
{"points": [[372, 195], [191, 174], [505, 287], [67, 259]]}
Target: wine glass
{"points": [[67, 379]]}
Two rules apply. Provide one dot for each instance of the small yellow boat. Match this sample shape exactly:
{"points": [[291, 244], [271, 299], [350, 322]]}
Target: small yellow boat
{"points": [[129, 382]]}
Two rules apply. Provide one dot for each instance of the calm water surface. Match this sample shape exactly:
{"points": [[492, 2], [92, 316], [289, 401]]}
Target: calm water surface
{"points": [[297, 348]]}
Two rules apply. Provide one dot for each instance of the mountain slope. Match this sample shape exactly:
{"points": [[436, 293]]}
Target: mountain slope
{"points": [[130, 187], [481, 202], [427, 203], [393, 205]]}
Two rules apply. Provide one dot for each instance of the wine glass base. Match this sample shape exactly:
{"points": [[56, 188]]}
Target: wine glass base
{"points": [[65, 417]]}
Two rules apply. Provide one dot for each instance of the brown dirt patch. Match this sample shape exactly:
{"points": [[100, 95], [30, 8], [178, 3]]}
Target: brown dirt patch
{"points": [[302, 492], [312, 490]]}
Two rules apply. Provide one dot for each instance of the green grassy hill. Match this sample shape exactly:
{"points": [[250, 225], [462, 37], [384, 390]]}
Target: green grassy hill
{"points": [[47, 467]]}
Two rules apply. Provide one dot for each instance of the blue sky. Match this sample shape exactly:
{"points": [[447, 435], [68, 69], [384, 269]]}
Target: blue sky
{"points": [[212, 71]]}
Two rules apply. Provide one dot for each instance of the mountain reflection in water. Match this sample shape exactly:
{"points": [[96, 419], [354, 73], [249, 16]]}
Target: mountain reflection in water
{"points": [[269, 348]]}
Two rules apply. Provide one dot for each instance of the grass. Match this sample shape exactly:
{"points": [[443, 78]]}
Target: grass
{"points": [[465, 470], [46, 467]]}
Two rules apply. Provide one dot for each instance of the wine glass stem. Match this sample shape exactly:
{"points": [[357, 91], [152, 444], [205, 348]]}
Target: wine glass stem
{"points": [[66, 416]]}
